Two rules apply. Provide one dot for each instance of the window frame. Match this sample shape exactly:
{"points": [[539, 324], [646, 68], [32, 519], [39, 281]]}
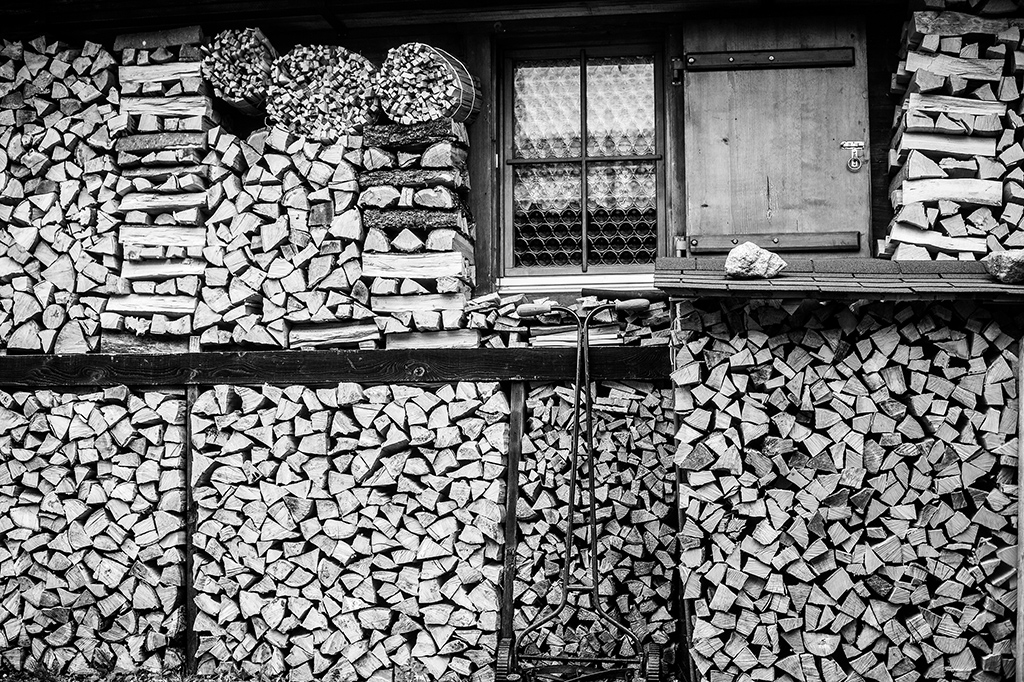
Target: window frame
{"points": [[506, 163]]}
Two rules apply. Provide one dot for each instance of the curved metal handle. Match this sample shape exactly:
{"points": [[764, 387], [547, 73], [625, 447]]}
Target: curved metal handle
{"points": [[533, 309], [633, 305]]}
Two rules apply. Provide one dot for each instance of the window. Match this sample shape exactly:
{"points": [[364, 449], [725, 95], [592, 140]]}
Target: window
{"points": [[582, 162]]}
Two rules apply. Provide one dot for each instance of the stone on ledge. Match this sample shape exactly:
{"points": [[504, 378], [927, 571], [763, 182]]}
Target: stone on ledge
{"points": [[1006, 266], [750, 261]]}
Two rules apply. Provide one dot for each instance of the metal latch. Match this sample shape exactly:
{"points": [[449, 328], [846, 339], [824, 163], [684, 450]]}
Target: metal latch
{"points": [[856, 148]]}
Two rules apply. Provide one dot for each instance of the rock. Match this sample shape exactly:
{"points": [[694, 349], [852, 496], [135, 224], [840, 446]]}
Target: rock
{"points": [[1006, 266], [750, 261]]}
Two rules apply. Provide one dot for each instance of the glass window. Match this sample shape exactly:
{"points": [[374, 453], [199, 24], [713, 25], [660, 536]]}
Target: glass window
{"points": [[582, 162]]}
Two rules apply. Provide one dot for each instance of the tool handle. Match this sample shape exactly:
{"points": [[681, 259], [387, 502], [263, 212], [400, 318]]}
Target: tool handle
{"points": [[533, 309], [633, 305], [651, 295]]}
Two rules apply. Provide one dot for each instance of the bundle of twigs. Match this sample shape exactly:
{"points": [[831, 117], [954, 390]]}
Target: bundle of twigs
{"points": [[238, 63], [420, 83], [322, 91]]}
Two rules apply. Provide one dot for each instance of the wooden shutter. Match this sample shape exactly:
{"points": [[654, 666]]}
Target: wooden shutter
{"points": [[763, 145]]}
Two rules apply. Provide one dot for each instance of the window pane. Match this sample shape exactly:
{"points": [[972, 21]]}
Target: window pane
{"points": [[547, 109], [622, 213], [546, 215], [620, 106]]}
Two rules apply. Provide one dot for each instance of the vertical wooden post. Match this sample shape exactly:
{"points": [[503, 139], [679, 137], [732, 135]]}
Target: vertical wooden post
{"points": [[515, 450], [1019, 634], [482, 169], [191, 639]]}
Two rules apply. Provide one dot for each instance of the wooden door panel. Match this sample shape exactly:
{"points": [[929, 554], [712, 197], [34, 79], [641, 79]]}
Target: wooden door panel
{"points": [[763, 150]]}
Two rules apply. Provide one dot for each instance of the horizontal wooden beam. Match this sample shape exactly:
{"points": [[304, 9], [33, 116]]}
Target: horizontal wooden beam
{"points": [[650, 363]]}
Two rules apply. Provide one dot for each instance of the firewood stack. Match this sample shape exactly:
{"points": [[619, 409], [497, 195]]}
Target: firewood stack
{"points": [[57, 194], [168, 112], [92, 506], [288, 237], [849, 490], [419, 83], [633, 429], [322, 91], [418, 253], [362, 524], [237, 62], [958, 187], [501, 327]]}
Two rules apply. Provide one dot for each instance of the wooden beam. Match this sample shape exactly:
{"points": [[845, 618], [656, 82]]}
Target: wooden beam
{"points": [[650, 363], [1019, 635]]}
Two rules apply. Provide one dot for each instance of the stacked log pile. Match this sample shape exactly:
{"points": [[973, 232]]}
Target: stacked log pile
{"points": [[322, 91], [849, 489], [92, 499], [957, 153], [166, 111], [57, 194], [418, 253], [288, 239], [419, 83], [237, 63], [633, 427], [348, 531]]}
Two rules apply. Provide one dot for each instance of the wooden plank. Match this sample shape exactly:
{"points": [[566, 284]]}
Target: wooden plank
{"points": [[151, 142], [163, 203], [161, 235], [158, 73], [956, 24], [1019, 639], [990, 70], [778, 241], [391, 304], [792, 175], [649, 363], [482, 133], [455, 338], [959, 146], [415, 266], [183, 106], [965, 190], [953, 105], [143, 304], [737, 60], [162, 269]]}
